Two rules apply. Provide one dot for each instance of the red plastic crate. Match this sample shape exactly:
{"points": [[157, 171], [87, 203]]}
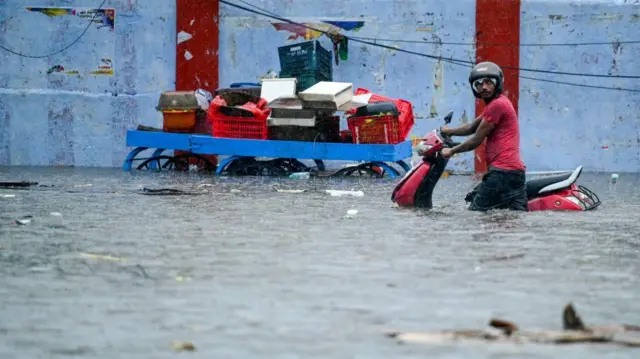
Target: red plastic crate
{"points": [[405, 107], [375, 129], [240, 127]]}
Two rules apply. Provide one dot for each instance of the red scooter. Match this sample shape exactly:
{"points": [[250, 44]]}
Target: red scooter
{"points": [[548, 193]]}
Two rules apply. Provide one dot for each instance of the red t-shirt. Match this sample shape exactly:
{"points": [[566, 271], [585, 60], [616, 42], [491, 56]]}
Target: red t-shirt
{"points": [[503, 143]]}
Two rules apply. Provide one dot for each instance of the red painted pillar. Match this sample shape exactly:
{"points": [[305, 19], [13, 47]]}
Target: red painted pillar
{"points": [[498, 24], [197, 37], [197, 57]]}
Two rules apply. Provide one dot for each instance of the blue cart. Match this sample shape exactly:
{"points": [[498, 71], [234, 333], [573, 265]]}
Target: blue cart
{"points": [[244, 154]]}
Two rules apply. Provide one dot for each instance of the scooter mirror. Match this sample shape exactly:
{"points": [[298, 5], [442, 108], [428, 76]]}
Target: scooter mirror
{"points": [[448, 117]]}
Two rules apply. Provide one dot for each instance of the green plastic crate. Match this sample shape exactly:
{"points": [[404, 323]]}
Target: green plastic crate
{"points": [[306, 78], [308, 55]]}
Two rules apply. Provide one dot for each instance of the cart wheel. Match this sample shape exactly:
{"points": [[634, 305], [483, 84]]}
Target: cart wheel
{"points": [[158, 163], [289, 165], [250, 167], [183, 162], [361, 170], [177, 163]]}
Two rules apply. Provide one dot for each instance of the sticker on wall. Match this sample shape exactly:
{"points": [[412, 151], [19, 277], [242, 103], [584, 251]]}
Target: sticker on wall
{"points": [[94, 52], [304, 30], [105, 68], [103, 18]]}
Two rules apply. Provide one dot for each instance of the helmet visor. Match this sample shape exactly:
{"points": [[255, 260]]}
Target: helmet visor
{"points": [[477, 84]]}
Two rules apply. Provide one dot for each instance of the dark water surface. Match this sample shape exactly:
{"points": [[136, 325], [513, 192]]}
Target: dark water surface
{"points": [[243, 271]]}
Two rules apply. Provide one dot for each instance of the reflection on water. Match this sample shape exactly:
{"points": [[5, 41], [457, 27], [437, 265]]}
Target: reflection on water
{"points": [[244, 271]]}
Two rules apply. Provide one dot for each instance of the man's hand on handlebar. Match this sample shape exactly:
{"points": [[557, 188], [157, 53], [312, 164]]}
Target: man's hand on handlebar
{"points": [[444, 131], [446, 153]]}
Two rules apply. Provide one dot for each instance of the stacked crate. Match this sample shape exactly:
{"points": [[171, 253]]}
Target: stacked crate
{"points": [[308, 62]]}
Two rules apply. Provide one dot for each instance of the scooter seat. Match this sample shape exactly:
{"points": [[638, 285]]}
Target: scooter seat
{"points": [[546, 184]]}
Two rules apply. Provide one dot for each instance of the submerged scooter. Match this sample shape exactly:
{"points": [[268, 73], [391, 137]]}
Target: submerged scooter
{"points": [[554, 193]]}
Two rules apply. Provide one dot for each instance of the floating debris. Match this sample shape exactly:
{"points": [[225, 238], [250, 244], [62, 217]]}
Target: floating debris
{"points": [[502, 258], [7, 195], [22, 184], [23, 220], [300, 175], [165, 192], [338, 193], [351, 214], [102, 256], [183, 346], [289, 190], [574, 331]]}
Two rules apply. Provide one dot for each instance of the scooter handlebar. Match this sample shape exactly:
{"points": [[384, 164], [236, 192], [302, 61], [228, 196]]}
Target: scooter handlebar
{"points": [[447, 140]]}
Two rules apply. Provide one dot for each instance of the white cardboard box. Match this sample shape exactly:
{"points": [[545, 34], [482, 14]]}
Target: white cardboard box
{"points": [[282, 87], [325, 91]]}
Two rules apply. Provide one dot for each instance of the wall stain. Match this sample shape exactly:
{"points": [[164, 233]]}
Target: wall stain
{"points": [[60, 136], [464, 119], [380, 75], [233, 47], [5, 134]]}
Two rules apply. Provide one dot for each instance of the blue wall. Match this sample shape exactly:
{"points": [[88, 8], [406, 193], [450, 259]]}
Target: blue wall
{"points": [[80, 119], [62, 119], [564, 126]]}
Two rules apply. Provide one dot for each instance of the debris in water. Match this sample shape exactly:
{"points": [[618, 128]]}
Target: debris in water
{"points": [[17, 184], [351, 214], [300, 175], [183, 346], [338, 193], [289, 190], [164, 192], [24, 220], [574, 331], [614, 178], [103, 257], [7, 195], [502, 258]]}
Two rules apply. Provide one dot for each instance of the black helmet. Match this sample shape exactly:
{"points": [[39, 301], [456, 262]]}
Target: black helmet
{"points": [[487, 69]]}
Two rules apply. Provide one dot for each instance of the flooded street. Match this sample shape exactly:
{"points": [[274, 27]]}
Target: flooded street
{"points": [[243, 271]]}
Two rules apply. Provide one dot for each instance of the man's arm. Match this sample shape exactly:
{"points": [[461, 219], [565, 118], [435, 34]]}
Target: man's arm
{"points": [[464, 130], [484, 129]]}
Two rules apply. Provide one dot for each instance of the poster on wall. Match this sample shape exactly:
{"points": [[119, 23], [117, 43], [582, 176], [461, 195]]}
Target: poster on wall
{"points": [[94, 53]]}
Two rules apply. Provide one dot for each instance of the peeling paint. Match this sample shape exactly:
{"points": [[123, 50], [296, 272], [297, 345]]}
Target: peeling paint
{"points": [[379, 75], [438, 82], [233, 47], [433, 111], [188, 55], [464, 119], [184, 36]]}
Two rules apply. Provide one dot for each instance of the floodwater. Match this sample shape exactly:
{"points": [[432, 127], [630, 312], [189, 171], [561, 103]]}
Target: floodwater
{"points": [[243, 271]]}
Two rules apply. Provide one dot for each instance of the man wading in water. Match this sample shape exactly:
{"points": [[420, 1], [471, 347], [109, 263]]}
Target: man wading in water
{"points": [[503, 186]]}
